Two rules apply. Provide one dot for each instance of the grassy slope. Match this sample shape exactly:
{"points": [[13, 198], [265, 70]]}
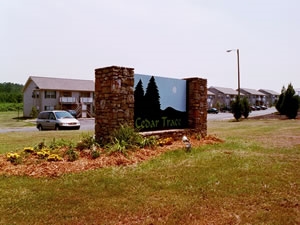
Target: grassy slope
{"points": [[251, 178]]}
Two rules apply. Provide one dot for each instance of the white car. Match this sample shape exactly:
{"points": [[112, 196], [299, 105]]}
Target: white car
{"points": [[56, 120]]}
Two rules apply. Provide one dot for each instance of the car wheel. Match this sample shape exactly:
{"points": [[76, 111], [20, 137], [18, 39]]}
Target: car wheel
{"points": [[56, 127], [40, 128]]}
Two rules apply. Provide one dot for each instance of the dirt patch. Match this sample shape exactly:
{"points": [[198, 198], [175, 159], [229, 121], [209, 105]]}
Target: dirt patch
{"points": [[35, 167]]}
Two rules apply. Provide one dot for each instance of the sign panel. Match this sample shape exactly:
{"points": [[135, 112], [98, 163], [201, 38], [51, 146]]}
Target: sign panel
{"points": [[160, 103]]}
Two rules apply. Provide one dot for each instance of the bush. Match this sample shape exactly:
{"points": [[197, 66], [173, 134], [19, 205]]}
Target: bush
{"points": [[126, 138], [288, 103], [72, 155], [95, 154], [148, 142], [245, 107], [292, 110], [280, 101], [34, 112], [87, 142], [237, 108]]}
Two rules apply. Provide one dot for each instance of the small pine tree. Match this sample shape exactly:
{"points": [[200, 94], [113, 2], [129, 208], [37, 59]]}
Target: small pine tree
{"points": [[237, 108], [280, 101], [245, 107], [288, 102], [292, 110]]}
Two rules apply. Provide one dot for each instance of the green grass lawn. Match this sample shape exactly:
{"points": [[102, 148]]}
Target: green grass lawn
{"points": [[12, 119], [251, 178]]}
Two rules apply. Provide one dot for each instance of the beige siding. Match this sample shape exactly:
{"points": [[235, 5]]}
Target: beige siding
{"points": [[28, 101]]}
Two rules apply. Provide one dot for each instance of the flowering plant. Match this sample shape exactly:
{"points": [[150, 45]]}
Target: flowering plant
{"points": [[13, 158]]}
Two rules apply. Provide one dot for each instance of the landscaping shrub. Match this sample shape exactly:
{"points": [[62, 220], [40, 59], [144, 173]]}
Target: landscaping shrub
{"points": [[237, 108], [126, 138], [87, 141], [72, 155], [245, 107], [95, 154], [34, 112], [288, 103]]}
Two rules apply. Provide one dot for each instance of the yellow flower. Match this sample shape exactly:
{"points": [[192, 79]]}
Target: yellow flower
{"points": [[43, 154], [12, 156], [54, 157]]}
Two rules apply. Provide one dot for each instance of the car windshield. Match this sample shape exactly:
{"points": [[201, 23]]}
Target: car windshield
{"points": [[60, 115]]}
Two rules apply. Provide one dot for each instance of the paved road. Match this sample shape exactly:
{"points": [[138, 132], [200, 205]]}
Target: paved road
{"points": [[89, 124], [85, 124], [228, 116]]}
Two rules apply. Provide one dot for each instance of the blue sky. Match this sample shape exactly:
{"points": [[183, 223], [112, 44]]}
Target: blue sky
{"points": [[172, 38]]}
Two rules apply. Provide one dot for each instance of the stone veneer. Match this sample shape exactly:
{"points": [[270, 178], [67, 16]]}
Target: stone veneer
{"points": [[114, 104], [197, 105], [114, 100]]}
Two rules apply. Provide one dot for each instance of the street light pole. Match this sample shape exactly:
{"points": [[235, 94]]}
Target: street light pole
{"points": [[238, 67]]}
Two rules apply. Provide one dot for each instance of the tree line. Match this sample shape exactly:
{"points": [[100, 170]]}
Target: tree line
{"points": [[11, 92]]}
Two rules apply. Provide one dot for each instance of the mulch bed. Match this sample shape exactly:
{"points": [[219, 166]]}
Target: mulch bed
{"points": [[34, 167]]}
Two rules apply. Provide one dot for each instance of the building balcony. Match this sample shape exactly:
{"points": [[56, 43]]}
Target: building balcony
{"points": [[86, 100], [67, 100], [74, 100]]}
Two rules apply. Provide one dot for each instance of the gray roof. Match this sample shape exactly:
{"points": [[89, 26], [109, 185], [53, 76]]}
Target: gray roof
{"points": [[251, 91], [270, 92], [226, 91], [50, 83], [210, 93]]}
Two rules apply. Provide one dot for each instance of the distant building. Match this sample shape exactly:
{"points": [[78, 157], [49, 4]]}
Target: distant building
{"points": [[48, 93], [254, 97], [270, 96], [297, 90], [210, 99], [222, 96]]}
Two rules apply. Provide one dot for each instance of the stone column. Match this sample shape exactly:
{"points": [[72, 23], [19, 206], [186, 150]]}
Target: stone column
{"points": [[197, 105], [114, 100]]}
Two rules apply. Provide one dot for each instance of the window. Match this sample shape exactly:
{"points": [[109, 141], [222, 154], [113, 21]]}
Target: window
{"points": [[49, 107], [35, 94], [51, 116], [43, 115], [50, 94]]}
